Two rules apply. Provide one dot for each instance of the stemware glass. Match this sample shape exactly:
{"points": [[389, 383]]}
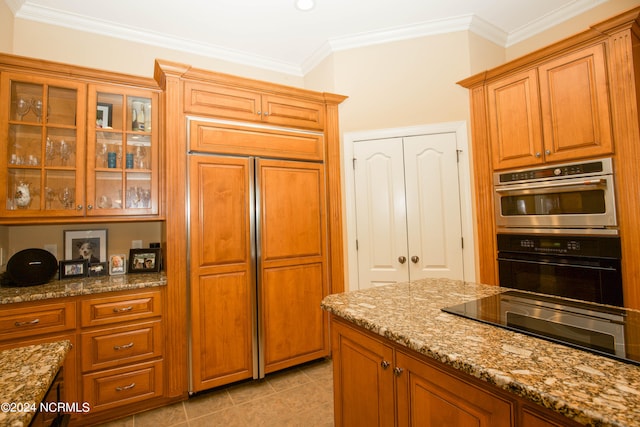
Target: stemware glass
{"points": [[65, 151], [22, 107], [102, 154], [37, 108], [66, 197], [141, 154]]}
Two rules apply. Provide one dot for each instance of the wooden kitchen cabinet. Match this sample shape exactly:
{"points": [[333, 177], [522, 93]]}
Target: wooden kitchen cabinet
{"points": [[26, 324], [363, 381], [557, 111], [252, 105], [430, 397], [380, 383], [42, 163], [122, 152], [122, 345], [282, 165], [61, 127]]}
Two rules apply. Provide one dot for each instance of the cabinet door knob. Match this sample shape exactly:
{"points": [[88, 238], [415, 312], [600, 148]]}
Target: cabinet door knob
{"points": [[402, 259], [538, 154], [79, 207], [89, 207], [259, 113], [547, 152], [397, 371], [385, 364], [415, 259]]}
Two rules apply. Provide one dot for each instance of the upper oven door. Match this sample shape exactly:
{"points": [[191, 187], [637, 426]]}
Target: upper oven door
{"points": [[557, 203]]}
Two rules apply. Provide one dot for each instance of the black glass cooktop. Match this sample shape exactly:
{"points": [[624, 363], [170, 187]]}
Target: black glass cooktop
{"points": [[608, 331]]}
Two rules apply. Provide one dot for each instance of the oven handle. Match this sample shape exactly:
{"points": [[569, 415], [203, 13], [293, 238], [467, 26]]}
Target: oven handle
{"points": [[558, 264], [596, 181]]}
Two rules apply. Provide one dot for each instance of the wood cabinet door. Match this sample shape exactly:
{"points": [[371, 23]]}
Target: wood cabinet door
{"points": [[222, 285], [285, 111], [429, 397], [292, 266], [362, 378], [574, 100], [515, 129]]}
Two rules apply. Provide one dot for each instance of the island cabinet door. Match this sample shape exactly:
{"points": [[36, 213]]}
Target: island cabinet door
{"points": [[430, 397], [362, 379]]}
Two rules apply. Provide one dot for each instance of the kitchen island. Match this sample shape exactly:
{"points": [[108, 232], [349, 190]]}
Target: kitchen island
{"points": [[531, 377], [26, 375]]}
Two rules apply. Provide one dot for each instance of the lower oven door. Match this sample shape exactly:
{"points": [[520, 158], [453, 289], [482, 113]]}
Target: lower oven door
{"points": [[589, 279]]}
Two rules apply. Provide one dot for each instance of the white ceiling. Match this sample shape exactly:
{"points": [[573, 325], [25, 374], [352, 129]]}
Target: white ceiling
{"points": [[273, 34]]}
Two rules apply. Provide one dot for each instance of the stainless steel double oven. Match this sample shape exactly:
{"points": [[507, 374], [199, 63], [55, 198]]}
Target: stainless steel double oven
{"points": [[558, 231]]}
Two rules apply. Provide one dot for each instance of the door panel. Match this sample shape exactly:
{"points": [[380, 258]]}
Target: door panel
{"points": [[292, 267], [380, 212], [433, 206], [222, 290], [408, 209]]}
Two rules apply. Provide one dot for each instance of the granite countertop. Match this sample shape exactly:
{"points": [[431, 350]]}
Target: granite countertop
{"points": [[590, 389], [83, 286], [25, 377]]}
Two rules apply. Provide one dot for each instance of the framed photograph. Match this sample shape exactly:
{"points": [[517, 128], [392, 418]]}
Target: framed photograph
{"points": [[144, 260], [98, 269], [104, 115], [117, 264], [73, 268], [86, 244]]}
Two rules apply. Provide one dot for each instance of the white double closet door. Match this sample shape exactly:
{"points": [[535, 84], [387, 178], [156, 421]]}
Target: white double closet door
{"points": [[408, 217]]}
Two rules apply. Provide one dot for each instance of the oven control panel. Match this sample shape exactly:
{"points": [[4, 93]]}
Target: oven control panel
{"points": [[596, 167], [601, 246]]}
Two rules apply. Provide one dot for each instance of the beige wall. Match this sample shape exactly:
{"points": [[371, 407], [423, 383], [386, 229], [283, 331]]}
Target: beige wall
{"points": [[6, 28]]}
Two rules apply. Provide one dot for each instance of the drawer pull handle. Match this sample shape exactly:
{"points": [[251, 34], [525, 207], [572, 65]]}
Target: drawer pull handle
{"points": [[120, 310], [29, 322], [123, 347], [126, 387]]}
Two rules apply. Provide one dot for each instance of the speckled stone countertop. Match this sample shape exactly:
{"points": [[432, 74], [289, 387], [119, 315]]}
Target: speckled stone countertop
{"points": [[83, 286], [590, 389], [26, 373]]}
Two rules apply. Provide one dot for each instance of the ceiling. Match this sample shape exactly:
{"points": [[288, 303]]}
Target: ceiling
{"points": [[274, 34]]}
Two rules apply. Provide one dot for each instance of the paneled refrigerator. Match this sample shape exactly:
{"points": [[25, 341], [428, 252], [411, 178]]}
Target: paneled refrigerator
{"points": [[258, 266]]}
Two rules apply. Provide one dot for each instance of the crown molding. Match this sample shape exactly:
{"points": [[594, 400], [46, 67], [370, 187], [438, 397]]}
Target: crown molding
{"points": [[25, 10], [82, 23], [552, 19]]}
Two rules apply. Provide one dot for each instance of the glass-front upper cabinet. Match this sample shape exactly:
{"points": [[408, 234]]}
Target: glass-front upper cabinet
{"points": [[43, 146], [122, 151]]}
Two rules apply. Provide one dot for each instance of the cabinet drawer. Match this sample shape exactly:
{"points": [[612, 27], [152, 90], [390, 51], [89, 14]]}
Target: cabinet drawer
{"points": [[34, 320], [117, 387], [107, 348], [102, 311]]}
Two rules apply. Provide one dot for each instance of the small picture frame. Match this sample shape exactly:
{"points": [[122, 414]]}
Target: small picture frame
{"points": [[98, 269], [73, 268], [144, 260], [117, 264], [104, 115], [86, 244]]}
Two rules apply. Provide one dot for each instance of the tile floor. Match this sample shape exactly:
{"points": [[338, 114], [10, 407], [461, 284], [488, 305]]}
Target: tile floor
{"points": [[300, 396]]}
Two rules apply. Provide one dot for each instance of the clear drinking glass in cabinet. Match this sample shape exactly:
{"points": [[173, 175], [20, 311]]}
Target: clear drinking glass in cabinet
{"points": [[26, 102], [138, 192], [60, 190], [108, 190]]}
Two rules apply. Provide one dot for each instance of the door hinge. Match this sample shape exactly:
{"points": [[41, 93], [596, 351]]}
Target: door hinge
{"points": [[354, 163], [356, 244], [462, 242], [458, 152]]}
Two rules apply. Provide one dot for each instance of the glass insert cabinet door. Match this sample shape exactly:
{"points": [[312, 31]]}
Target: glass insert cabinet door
{"points": [[122, 152], [43, 146]]}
